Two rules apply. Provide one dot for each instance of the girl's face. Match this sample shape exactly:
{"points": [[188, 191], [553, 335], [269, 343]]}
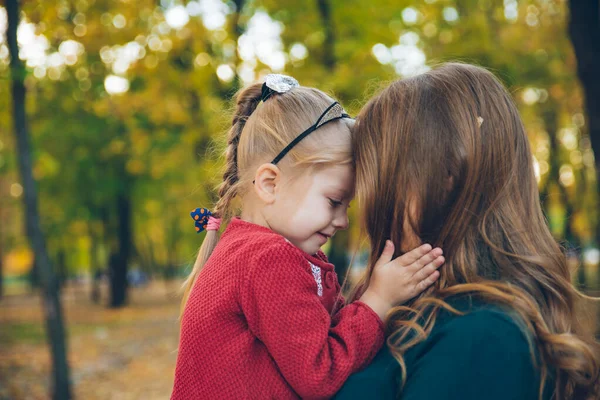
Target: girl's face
{"points": [[312, 208]]}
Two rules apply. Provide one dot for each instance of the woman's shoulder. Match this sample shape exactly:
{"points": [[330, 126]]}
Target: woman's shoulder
{"points": [[483, 352], [378, 380], [477, 313], [478, 330], [479, 321]]}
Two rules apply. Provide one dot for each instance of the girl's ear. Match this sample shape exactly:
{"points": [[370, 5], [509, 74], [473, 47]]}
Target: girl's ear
{"points": [[266, 181]]}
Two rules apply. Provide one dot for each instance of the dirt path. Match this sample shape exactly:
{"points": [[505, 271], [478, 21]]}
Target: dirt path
{"points": [[114, 354]]}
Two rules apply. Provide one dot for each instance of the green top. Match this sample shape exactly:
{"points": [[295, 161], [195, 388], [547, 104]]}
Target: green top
{"points": [[481, 355]]}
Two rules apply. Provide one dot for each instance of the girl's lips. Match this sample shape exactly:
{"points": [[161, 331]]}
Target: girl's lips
{"points": [[323, 236]]}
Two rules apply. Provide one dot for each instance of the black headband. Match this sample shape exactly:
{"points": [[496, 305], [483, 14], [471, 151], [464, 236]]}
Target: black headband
{"points": [[331, 113]]}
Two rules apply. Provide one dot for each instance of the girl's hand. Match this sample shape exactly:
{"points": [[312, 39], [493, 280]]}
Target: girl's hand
{"points": [[396, 281]]}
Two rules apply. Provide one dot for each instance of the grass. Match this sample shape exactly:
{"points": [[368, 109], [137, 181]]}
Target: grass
{"points": [[22, 332]]}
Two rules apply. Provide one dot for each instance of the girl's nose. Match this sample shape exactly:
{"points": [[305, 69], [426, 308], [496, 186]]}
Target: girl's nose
{"points": [[341, 220]]}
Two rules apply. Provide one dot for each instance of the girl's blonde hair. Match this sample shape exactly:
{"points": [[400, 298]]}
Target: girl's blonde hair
{"points": [[454, 140], [259, 131]]}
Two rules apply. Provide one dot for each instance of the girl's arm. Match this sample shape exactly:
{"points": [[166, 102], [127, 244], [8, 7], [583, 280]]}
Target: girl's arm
{"points": [[280, 302]]}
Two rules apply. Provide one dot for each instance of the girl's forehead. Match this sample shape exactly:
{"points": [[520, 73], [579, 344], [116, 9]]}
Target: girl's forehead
{"points": [[336, 177], [336, 171]]}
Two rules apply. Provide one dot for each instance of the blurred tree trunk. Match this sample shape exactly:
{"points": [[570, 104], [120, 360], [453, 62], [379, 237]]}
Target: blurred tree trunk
{"points": [[61, 267], [34, 275], [122, 230], [50, 299], [1, 257], [119, 261], [236, 31], [549, 116], [584, 29], [328, 56], [95, 269], [2, 225], [116, 279], [97, 238]]}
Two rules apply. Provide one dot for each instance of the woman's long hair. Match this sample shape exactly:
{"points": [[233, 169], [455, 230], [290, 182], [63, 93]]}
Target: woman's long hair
{"points": [[445, 153]]}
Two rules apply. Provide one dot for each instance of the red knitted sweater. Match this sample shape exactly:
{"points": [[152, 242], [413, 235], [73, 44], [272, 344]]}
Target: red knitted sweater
{"points": [[257, 324]]}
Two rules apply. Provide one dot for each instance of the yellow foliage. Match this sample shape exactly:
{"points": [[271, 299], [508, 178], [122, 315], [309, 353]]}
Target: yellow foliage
{"points": [[18, 262], [135, 167], [117, 146]]}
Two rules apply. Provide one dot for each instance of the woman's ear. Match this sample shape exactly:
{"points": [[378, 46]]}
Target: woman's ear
{"points": [[449, 183], [266, 181]]}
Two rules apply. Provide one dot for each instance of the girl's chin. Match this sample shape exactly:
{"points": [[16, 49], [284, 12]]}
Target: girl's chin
{"points": [[313, 244], [312, 248]]}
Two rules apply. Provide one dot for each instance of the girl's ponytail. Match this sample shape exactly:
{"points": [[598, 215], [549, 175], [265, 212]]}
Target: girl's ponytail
{"points": [[246, 102]]}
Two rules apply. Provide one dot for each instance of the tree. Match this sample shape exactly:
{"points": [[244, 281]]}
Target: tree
{"points": [[50, 299], [584, 29], [124, 159], [1, 248], [3, 235]]}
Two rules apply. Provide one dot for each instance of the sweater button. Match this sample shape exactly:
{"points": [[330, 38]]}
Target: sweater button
{"points": [[330, 279]]}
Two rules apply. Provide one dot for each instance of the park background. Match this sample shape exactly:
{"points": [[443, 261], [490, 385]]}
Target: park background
{"points": [[112, 123]]}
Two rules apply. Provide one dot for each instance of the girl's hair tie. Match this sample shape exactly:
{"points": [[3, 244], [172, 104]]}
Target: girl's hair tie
{"points": [[204, 220], [276, 83]]}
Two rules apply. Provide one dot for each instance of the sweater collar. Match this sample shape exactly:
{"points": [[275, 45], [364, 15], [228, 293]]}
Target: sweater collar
{"points": [[319, 258]]}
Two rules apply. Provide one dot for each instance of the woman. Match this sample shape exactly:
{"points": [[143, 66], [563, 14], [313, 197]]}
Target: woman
{"points": [[443, 158]]}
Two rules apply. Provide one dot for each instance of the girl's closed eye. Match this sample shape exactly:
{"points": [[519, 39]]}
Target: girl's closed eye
{"points": [[338, 203], [335, 203]]}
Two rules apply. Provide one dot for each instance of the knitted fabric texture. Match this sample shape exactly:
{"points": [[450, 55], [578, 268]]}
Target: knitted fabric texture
{"points": [[258, 324]]}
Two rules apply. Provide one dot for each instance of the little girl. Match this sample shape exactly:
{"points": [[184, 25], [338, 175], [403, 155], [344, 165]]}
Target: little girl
{"points": [[262, 312]]}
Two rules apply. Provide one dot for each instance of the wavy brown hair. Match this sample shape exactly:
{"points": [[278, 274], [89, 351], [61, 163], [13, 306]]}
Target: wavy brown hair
{"points": [[445, 153]]}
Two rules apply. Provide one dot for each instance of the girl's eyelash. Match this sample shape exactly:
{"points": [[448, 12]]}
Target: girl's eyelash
{"points": [[335, 203]]}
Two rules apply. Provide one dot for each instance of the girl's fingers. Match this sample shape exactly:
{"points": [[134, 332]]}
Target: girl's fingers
{"points": [[413, 255], [425, 260], [430, 280], [429, 269], [386, 255]]}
